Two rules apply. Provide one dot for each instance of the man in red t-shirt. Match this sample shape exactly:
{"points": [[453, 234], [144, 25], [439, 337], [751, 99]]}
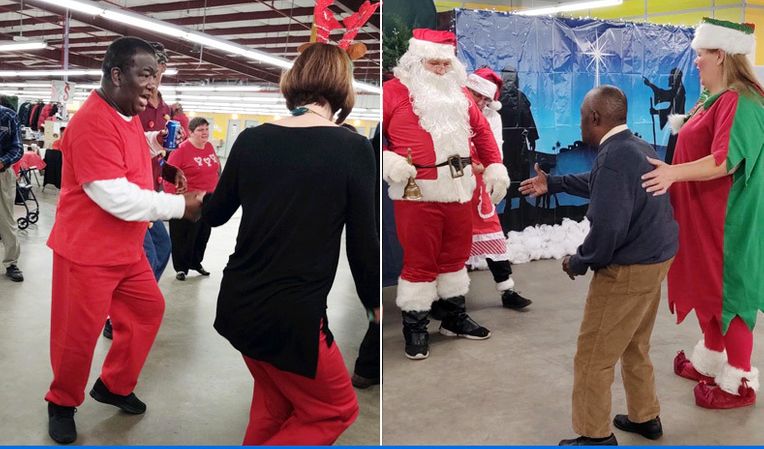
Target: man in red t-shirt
{"points": [[99, 266]]}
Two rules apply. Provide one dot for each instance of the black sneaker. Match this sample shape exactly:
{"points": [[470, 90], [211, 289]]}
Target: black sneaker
{"points": [[61, 427], [181, 276], [586, 441], [512, 300], [416, 336], [652, 430], [107, 330], [461, 325], [14, 273], [129, 404], [202, 271]]}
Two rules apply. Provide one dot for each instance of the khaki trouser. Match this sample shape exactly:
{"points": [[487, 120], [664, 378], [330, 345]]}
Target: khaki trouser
{"points": [[8, 227], [618, 321]]}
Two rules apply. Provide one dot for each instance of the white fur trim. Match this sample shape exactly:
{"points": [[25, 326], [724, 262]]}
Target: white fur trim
{"points": [[415, 296], [395, 168], [712, 37], [730, 378], [495, 105], [431, 50], [506, 285], [445, 189], [496, 181], [676, 121], [453, 284], [481, 85], [706, 361]]}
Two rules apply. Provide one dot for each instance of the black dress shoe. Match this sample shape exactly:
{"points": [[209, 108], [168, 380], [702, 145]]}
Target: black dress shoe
{"points": [[652, 430], [129, 404], [202, 271], [586, 441], [107, 330], [181, 276], [61, 425], [362, 383], [14, 273]]}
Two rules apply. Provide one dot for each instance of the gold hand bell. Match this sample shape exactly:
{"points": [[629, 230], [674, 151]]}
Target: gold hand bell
{"points": [[412, 190]]}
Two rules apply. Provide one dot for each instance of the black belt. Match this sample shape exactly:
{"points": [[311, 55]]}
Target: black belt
{"points": [[455, 163]]}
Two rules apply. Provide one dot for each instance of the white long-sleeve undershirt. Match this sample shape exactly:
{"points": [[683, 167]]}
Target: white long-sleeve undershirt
{"points": [[128, 202]]}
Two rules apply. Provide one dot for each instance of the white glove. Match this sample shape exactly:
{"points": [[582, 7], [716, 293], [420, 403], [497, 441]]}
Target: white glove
{"points": [[395, 168], [496, 182]]}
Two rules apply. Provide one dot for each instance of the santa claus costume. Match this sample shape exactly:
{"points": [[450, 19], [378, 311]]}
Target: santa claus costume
{"points": [[721, 248], [432, 116], [489, 243]]}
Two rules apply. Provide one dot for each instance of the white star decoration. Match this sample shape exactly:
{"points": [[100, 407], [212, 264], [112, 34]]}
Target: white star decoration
{"points": [[596, 51]]}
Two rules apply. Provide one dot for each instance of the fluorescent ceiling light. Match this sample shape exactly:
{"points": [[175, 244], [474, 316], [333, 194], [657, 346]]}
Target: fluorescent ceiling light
{"points": [[20, 46], [161, 27], [567, 7]]}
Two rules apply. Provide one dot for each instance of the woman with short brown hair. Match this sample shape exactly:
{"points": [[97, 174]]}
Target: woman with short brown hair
{"points": [[299, 181]]}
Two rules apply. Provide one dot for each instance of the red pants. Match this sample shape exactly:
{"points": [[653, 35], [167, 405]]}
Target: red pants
{"points": [[738, 341], [82, 297], [289, 409], [436, 238]]}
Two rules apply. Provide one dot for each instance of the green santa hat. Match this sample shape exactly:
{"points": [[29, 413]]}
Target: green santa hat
{"points": [[733, 38]]}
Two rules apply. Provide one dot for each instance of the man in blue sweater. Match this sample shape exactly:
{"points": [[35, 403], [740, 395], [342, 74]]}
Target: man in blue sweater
{"points": [[630, 246], [10, 152]]}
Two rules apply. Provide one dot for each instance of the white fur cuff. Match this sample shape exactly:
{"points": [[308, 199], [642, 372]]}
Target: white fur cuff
{"points": [[395, 168], [707, 362], [730, 379], [453, 284], [496, 181], [676, 121], [506, 285], [415, 296]]}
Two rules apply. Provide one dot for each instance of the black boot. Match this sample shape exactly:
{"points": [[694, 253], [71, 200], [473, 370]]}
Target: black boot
{"points": [[439, 310], [61, 425], [108, 332], [415, 333], [512, 300], [457, 323]]}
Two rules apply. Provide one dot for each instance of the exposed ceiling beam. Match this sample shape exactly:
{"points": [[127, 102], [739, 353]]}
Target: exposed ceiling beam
{"points": [[256, 71]]}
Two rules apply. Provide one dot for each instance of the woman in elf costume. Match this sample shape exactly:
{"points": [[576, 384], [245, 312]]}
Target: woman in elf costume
{"points": [[720, 211]]}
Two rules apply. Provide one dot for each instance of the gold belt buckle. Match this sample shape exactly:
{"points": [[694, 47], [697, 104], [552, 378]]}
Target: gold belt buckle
{"points": [[456, 166]]}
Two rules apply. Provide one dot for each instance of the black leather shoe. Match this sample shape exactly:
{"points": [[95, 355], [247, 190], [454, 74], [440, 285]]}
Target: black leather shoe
{"points": [[586, 441], [362, 383], [652, 430], [129, 404], [202, 271], [107, 330], [512, 300], [181, 276], [14, 273], [61, 425]]}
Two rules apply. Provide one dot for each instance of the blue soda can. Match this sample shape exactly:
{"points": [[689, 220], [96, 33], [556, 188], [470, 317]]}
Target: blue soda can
{"points": [[172, 132]]}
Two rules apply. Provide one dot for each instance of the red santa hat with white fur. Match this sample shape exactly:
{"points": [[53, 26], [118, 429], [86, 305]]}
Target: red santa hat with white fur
{"points": [[488, 83]]}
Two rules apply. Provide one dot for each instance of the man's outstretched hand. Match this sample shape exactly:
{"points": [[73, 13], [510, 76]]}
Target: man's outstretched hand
{"points": [[537, 185]]}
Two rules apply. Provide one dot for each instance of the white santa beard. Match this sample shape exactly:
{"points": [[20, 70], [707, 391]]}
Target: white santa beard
{"points": [[442, 107]]}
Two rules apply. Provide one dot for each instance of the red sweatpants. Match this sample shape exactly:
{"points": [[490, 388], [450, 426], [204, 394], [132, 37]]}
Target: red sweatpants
{"points": [[289, 409], [436, 238], [738, 341], [82, 297]]}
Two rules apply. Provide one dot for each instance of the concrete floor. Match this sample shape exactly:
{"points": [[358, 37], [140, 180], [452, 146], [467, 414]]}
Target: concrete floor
{"points": [[515, 388], [196, 386]]}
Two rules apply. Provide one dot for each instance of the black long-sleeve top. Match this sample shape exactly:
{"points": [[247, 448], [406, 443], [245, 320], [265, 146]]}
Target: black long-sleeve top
{"points": [[628, 225], [298, 188]]}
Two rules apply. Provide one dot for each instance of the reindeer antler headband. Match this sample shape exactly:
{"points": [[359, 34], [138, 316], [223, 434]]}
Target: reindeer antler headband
{"points": [[325, 23]]}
